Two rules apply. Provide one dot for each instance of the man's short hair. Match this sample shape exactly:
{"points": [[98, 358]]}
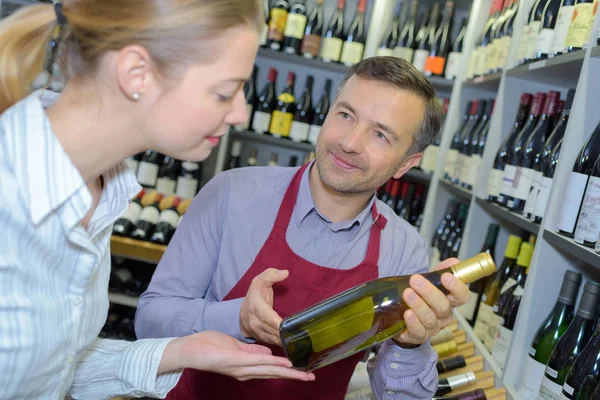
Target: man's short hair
{"points": [[400, 74]]}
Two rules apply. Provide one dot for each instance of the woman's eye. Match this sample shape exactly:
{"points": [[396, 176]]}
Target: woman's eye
{"points": [[224, 99]]}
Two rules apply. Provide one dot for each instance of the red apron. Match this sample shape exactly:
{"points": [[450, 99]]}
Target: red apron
{"points": [[306, 285]]}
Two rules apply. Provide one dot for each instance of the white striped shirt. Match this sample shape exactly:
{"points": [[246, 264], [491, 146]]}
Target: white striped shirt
{"points": [[54, 273]]}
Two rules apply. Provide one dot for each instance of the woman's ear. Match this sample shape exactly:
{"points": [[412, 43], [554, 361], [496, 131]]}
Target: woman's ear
{"points": [[134, 71], [408, 163]]}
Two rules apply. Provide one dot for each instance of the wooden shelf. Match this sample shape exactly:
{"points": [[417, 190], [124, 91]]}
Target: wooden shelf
{"points": [[508, 216], [563, 70], [457, 191], [488, 82], [123, 300], [270, 140], [580, 252], [136, 249]]}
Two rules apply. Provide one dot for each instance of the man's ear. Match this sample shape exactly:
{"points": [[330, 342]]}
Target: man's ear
{"points": [[410, 162]]}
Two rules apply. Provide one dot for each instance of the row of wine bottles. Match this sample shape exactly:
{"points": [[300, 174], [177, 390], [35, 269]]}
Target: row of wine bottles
{"points": [[406, 198], [448, 235], [463, 159], [129, 277], [285, 116], [235, 160], [524, 166], [166, 175], [120, 323], [431, 153], [152, 217]]}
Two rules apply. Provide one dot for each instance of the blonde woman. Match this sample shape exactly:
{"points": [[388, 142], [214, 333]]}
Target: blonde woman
{"points": [[142, 74]]}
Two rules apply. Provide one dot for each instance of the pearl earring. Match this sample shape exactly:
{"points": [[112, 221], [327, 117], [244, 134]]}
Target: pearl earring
{"points": [[135, 97]]}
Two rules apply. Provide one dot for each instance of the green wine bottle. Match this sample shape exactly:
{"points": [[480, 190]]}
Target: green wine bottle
{"points": [[571, 343], [551, 330], [354, 320], [583, 376]]}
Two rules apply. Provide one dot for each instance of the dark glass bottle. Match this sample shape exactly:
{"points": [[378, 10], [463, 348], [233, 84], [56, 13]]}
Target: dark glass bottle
{"points": [[277, 20], [303, 115], [333, 38], [265, 104], [294, 28], [320, 113], [311, 44]]}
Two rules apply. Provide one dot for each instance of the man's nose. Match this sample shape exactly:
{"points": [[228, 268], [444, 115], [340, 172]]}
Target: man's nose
{"points": [[352, 142]]}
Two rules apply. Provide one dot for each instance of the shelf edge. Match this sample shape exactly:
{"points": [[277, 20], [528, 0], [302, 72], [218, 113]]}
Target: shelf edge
{"points": [[123, 300]]}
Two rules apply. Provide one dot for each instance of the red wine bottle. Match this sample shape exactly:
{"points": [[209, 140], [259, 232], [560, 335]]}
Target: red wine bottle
{"points": [[126, 222], [465, 140], [545, 40], [277, 20], [311, 44], [147, 173], [464, 171], [167, 176], [477, 147], [147, 220], [435, 63], [333, 39], [386, 190], [294, 28], [354, 45], [400, 204], [303, 115], [587, 229], [548, 168], [320, 113], [167, 222], [416, 206], [265, 105], [453, 153]]}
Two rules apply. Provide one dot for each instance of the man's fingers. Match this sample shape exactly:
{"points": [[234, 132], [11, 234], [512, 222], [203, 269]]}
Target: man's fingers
{"points": [[271, 276], [421, 309], [448, 262], [458, 292], [270, 372], [254, 348], [415, 331], [435, 299]]}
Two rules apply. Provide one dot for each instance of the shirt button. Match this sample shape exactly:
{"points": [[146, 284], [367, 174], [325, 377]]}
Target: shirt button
{"points": [[390, 392], [76, 301], [397, 355], [394, 365]]}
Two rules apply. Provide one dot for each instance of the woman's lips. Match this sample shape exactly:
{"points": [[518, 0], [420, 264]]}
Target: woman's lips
{"points": [[214, 139]]}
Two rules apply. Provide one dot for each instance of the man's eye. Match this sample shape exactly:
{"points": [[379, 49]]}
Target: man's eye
{"points": [[344, 115]]}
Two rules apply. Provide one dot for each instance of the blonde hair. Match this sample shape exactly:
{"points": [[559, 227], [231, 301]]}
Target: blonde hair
{"points": [[176, 33]]}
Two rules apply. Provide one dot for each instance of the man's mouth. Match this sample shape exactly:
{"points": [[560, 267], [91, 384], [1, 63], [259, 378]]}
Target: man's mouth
{"points": [[342, 163]]}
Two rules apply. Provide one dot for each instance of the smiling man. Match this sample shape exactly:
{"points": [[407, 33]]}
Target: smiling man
{"points": [[259, 244]]}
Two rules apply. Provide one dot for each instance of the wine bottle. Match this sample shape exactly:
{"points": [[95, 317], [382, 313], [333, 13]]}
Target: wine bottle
{"points": [[334, 35], [449, 250], [354, 45], [465, 141], [451, 210], [427, 38], [148, 218], [168, 173], [530, 150], [281, 121], [311, 44], [578, 180], [581, 24], [126, 222], [561, 28], [450, 165], [477, 147], [492, 291], [250, 95], [294, 28], [494, 43], [535, 27], [543, 46], [403, 199], [549, 332], [385, 191], [571, 343], [277, 20], [525, 36], [133, 162], [510, 178], [484, 44], [392, 198], [147, 173], [451, 364], [431, 153], [265, 105], [188, 182], [446, 348], [452, 383], [253, 159], [303, 115], [320, 113], [234, 156], [293, 161], [167, 222], [274, 159], [456, 53], [405, 46], [477, 394], [403, 207], [264, 34], [435, 63], [586, 231], [473, 64], [357, 318], [416, 206], [505, 36], [390, 37], [582, 378], [467, 172], [546, 182]]}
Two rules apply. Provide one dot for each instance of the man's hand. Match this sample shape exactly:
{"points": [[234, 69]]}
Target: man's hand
{"points": [[430, 309], [217, 352], [257, 317]]}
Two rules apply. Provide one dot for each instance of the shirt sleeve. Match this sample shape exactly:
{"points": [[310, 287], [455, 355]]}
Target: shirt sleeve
{"points": [[112, 368], [174, 304]]}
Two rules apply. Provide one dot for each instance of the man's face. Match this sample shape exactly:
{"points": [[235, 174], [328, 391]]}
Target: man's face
{"points": [[366, 136]]}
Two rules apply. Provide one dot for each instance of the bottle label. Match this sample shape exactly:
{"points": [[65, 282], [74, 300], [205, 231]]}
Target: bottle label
{"points": [[522, 183], [473, 60], [531, 379], [518, 292], [581, 25], [461, 168], [493, 324], [589, 217], [510, 282], [473, 171], [533, 193], [404, 53], [435, 65], [132, 164], [542, 197], [532, 40], [281, 123], [483, 318], [245, 125], [166, 186], [295, 25], [264, 34], [492, 55], [313, 133], [261, 122], [573, 196], [150, 214], [549, 390], [500, 352], [435, 258], [451, 160], [430, 156], [311, 46], [567, 391], [385, 52], [524, 44], [277, 23], [544, 42], [419, 59], [510, 171], [332, 49], [187, 188], [532, 351], [452, 65], [147, 174], [503, 51], [481, 68], [132, 213], [299, 131], [551, 372], [495, 182], [468, 309], [170, 217], [561, 29], [352, 53]]}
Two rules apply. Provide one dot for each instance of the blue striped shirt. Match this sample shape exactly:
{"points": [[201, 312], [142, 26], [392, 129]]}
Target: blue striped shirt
{"points": [[54, 273]]}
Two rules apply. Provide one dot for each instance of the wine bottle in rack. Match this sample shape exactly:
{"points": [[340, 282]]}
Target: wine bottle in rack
{"points": [[277, 20], [264, 33], [274, 159], [435, 64], [548, 169], [452, 383], [449, 249], [535, 27], [333, 39], [543, 46], [283, 114], [147, 173], [561, 27], [303, 115], [167, 222], [587, 230], [126, 222], [188, 183], [392, 197], [403, 206], [133, 162], [354, 45], [250, 95], [456, 53], [450, 364], [505, 36], [148, 218], [451, 210], [548, 334], [311, 44], [582, 378], [467, 172], [168, 173], [465, 139], [577, 183], [265, 105], [416, 206], [484, 44], [494, 40], [294, 28], [477, 147], [425, 38], [453, 152], [571, 343], [320, 113], [390, 37], [234, 157], [430, 155], [405, 46], [581, 24], [526, 34]]}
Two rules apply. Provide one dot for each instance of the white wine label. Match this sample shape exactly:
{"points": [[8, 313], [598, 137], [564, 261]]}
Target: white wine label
{"points": [[483, 317], [473, 60], [462, 167], [545, 41], [264, 34], [532, 40], [551, 372], [404, 53], [531, 379], [542, 197], [295, 25], [261, 122], [500, 352], [245, 125], [523, 182], [352, 53], [510, 282], [495, 182], [561, 29], [510, 171], [532, 351], [492, 55], [549, 390], [147, 174], [132, 164], [573, 195], [313, 133], [385, 52], [452, 65], [299, 131], [473, 173], [503, 51], [429, 159], [332, 49], [187, 188], [150, 214], [524, 43], [581, 25], [170, 217], [468, 309], [451, 161], [481, 67], [533, 193], [493, 324], [589, 217], [519, 291], [419, 59], [166, 186], [132, 213], [568, 389]]}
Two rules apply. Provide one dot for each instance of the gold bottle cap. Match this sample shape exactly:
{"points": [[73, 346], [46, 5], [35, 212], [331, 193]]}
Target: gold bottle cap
{"points": [[474, 268], [446, 348]]}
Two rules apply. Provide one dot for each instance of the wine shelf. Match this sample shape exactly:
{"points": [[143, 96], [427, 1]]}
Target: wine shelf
{"points": [[561, 70], [418, 175], [508, 216], [136, 249], [488, 82], [583, 253], [457, 191], [268, 139], [123, 300], [595, 51]]}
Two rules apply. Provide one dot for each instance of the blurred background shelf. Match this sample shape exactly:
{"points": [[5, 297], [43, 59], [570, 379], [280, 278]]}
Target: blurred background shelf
{"points": [[457, 191], [508, 216], [490, 82], [123, 300], [136, 249], [271, 140], [563, 70], [583, 253]]}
